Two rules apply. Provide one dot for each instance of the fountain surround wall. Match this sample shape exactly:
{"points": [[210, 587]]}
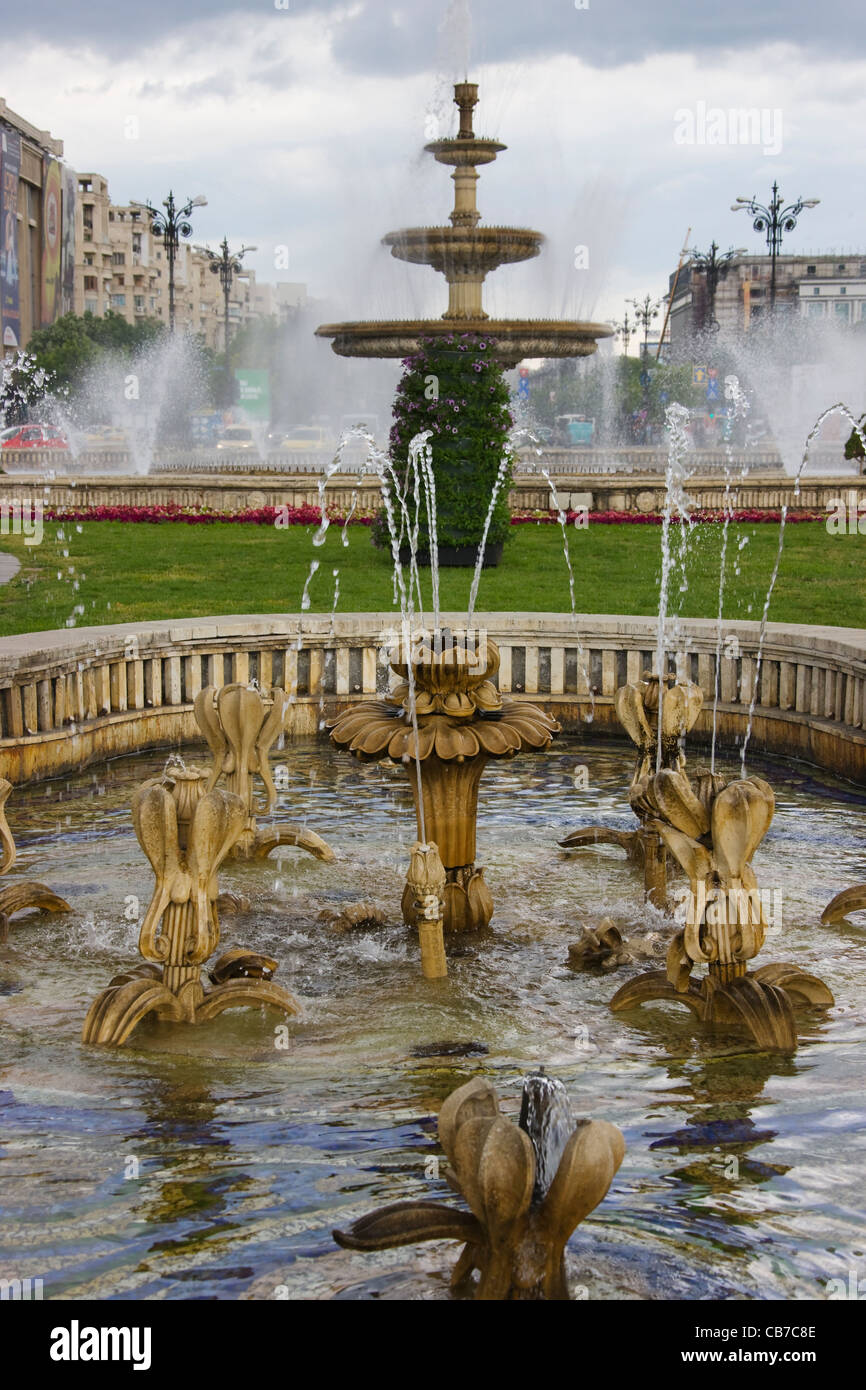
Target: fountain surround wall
{"points": [[76, 696]]}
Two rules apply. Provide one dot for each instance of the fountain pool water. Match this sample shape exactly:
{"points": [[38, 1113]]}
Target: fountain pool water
{"points": [[215, 1162]]}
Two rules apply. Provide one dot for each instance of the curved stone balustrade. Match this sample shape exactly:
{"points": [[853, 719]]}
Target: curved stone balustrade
{"points": [[237, 485], [75, 696]]}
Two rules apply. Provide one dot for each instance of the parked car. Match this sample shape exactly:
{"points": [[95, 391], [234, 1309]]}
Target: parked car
{"points": [[106, 436], [303, 438], [33, 437], [236, 439]]}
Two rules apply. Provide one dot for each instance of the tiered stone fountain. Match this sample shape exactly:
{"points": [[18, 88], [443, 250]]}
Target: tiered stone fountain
{"points": [[462, 722], [465, 254]]}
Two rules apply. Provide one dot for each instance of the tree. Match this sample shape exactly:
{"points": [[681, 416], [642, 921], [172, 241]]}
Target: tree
{"points": [[456, 388], [73, 343]]}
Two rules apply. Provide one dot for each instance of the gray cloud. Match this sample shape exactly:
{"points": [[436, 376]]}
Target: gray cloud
{"points": [[401, 36]]}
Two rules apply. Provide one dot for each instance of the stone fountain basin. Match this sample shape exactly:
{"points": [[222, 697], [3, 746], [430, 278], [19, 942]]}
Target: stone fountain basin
{"points": [[516, 338], [249, 1154]]}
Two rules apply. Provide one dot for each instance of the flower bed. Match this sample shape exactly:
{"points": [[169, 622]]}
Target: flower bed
{"points": [[311, 516], [656, 519]]}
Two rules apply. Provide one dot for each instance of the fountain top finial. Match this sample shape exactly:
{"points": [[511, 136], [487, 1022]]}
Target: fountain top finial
{"points": [[466, 99]]}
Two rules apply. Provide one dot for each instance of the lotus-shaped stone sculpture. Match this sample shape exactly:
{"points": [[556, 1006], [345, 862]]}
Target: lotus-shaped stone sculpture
{"points": [[240, 724], [514, 1234], [463, 722], [186, 833], [27, 893], [713, 827], [637, 709]]}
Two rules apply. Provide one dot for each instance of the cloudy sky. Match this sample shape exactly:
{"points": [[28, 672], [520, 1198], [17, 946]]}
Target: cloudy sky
{"points": [[302, 121]]}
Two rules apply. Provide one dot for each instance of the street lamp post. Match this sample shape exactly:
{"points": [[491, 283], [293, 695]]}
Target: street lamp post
{"points": [[645, 310], [774, 221], [625, 331], [171, 224], [226, 265], [714, 268]]}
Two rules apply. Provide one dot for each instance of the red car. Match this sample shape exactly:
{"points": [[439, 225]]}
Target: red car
{"points": [[32, 437]]}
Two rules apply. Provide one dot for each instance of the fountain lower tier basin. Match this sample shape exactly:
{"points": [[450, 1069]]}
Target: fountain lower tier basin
{"points": [[516, 338], [213, 1162]]}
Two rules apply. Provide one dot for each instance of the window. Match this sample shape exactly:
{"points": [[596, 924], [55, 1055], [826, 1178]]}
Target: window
{"points": [[87, 213], [91, 306], [843, 312], [841, 267], [815, 311], [817, 289], [85, 185], [88, 259], [811, 269], [118, 258], [91, 282], [118, 301], [139, 303], [111, 216], [843, 289], [136, 243]]}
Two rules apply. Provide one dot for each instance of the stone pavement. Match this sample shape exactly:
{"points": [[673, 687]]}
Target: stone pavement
{"points": [[9, 567]]}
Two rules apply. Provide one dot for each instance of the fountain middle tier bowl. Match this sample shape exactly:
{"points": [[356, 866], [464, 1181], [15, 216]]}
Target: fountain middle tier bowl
{"points": [[464, 250], [516, 339]]}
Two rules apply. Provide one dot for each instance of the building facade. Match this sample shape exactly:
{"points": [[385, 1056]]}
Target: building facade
{"points": [[826, 286], [37, 208], [121, 266]]}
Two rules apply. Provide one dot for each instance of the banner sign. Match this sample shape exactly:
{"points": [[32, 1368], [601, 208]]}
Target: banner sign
{"points": [[10, 303], [52, 234], [254, 393], [67, 240]]}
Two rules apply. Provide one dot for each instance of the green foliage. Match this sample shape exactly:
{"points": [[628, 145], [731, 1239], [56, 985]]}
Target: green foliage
{"points": [[73, 343], [580, 388], [455, 387], [854, 447]]}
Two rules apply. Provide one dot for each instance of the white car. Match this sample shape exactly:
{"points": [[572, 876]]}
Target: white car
{"points": [[236, 439]]}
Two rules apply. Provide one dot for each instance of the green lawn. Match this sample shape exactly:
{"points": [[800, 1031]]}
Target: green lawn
{"points": [[137, 572]]}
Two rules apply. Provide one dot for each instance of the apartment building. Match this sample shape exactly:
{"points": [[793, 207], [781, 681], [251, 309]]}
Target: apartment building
{"points": [[120, 265]]}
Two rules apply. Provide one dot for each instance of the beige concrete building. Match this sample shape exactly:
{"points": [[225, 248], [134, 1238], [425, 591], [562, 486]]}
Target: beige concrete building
{"points": [[120, 265], [829, 285], [33, 249]]}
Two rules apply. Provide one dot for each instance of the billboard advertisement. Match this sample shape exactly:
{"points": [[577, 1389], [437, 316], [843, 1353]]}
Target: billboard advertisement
{"points": [[254, 393], [10, 303], [52, 236], [67, 241]]}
